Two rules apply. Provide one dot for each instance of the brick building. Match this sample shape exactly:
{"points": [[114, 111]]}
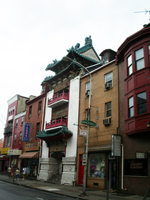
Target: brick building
{"points": [[103, 112], [35, 108], [133, 58]]}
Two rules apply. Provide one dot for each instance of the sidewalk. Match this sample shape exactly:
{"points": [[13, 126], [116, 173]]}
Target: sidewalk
{"points": [[70, 191]]}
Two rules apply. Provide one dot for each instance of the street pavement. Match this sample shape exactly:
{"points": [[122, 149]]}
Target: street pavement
{"points": [[72, 191]]}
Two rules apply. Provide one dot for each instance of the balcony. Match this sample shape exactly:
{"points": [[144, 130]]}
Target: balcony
{"points": [[56, 123], [58, 100], [8, 129]]}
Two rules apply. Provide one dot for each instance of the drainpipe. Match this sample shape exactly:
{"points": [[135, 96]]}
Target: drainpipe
{"points": [[40, 153], [122, 164]]}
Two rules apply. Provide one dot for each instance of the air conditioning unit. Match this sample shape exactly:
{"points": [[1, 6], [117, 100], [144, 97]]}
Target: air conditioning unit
{"points": [[108, 85], [107, 121], [87, 93]]}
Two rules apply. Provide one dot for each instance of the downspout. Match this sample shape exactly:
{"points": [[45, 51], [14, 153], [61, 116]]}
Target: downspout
{"points": [[40, 153], [122, 164]]}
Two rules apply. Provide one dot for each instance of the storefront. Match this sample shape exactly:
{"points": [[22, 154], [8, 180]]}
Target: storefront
{"points": [[30, 159], [4, 160], [100, 167], [13, 157]]}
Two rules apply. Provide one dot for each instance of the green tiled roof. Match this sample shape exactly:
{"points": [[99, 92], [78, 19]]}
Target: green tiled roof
{"points": [[52, 77], [62, 132]]}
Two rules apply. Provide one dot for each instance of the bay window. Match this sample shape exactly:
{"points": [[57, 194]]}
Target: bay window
{"points": [[139, 59], [130, 107], [141, 103], [129, 65]]}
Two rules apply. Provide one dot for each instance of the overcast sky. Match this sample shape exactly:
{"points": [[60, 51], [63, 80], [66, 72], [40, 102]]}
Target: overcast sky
{"points": [[35, 32]]}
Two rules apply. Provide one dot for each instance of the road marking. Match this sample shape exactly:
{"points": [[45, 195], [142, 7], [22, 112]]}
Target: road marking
{"points": [[39, 198]]}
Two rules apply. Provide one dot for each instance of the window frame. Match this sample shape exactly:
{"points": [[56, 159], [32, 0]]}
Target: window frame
{"points": [[139, 59], [20, 137], [108, 110], [139, 104], [130, 107], [129, 65]]}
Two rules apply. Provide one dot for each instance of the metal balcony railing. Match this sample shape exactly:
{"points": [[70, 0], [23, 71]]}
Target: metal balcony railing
{"points": [[56, 123], [8, 129], [58, 97]]}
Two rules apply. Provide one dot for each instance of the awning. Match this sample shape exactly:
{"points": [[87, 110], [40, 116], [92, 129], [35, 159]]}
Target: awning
{"points": [[2, 157], [30, 155]]}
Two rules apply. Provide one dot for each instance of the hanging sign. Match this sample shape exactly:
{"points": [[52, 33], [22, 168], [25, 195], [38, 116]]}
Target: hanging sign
{"points": [[26, 132], [116, 145], [83, 133]]}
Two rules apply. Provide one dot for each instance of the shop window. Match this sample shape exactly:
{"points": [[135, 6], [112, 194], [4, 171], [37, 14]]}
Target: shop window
{"points": [[108, 109], [129, 65], [96, 165], [141, 103], [136, 167], [130, 107], [139, 59]]}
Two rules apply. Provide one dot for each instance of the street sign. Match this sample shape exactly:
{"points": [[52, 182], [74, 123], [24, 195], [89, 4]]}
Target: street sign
{"points": [[116, 145], [89, 123], [84, 159], [83, 133]]}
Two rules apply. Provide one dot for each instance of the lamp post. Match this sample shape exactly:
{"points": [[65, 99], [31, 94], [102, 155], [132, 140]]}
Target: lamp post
{"points": [[88, 126]]}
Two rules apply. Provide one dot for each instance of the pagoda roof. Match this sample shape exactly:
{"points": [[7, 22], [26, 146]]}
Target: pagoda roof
{"points": [[61, 133], [68, 69], [84, 60]]}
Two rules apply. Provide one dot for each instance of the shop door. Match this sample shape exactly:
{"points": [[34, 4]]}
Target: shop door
{"points": [[112, 174], [81, 171]]}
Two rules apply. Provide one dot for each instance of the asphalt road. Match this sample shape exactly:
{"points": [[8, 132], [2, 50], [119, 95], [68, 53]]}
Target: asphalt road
{"points": [[10, 191]]}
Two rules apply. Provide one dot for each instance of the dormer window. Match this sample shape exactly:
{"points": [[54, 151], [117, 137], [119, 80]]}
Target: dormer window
{"points": [[106, 58]]}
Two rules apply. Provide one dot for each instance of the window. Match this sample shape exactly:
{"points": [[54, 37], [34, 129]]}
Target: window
{"points": [[139, 59], [16, 122], [106, 58], [141, 103], [6, 141], [130, 107], [96, 165], [39, 107], [88, 86], [9, 140], [22, 120], [38, 127], [129, 64], [108, 80], [149, 53], [30, 111], [20, 138], [15, 139], [108, 109]]}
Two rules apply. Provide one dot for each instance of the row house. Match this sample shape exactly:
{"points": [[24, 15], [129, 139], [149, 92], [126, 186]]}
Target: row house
{"points": [[59, 147], [31, 150], [133, 60], [102, 82], [12, 144]]}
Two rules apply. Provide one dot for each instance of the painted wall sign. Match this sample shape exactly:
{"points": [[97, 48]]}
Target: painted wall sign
{"points": [[32, 146], [26, 132]]}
